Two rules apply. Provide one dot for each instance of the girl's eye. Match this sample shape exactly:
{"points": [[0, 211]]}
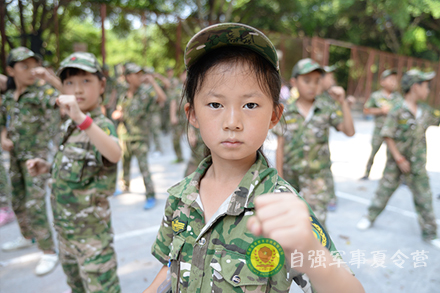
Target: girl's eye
{"points": [[67, 82], [251, 105], [214, 105], [86, 80]]}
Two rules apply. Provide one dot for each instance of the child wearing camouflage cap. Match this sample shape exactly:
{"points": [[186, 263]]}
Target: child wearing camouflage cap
{"points": [[83, 176], [303, 155], [26, 118], [134, 111], [404, 133], [215, 219], [379, 104]]}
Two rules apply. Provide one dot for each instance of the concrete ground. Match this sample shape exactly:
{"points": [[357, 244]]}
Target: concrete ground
{"points": [[391, 257]]}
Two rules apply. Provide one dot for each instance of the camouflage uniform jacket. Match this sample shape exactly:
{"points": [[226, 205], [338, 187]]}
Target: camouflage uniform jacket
{"points": [[379, 100], [137, 113], [210, 257], [81, 181], [306, 146], [29, 120], [409, 132]]}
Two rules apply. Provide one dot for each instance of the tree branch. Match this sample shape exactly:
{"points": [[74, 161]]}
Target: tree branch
{"points": [[22, 22]]}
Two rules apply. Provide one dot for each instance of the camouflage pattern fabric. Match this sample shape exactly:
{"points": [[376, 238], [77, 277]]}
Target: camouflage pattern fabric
{"points": [[316, 188], [138, 149], [408, 132], [210, 257], [378, 100], [414, 76], [110, 85], [305, 66], [229, 34], [137, 113], [5, 191], [29, 204], [90, 269], [21, 53], [387, 73], [306, 151], [31, 121], [174, 94], [81, 60], [132, 68], [82, 181]]}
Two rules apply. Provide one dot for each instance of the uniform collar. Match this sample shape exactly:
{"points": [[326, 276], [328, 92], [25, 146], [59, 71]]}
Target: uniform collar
{"points": [[258, 179]]}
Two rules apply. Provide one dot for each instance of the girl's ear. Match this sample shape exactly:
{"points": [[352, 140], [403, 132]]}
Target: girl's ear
{"points": [[102, 82], [10, 71], [191, 115], [277, 113], [293, 82]]}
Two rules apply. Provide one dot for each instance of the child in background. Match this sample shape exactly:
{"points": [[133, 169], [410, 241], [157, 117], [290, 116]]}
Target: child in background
{"points": [[27, 115], [83, 176], [404, 131], [379, 103], [134, 112], [219, 213], [303, 155]]}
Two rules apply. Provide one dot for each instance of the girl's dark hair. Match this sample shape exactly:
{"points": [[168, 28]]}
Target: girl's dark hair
{"points": [[10, 83], [71, 71], [268, 78]]}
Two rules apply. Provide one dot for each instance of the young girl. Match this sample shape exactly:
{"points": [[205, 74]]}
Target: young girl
{"points": [[214, 219], [28, 110], [83, 176]]}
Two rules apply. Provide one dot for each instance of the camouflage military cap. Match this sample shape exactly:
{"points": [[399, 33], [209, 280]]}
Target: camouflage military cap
{"points": [[387, 73], [229, 34], [305, 66], [329, 69], [148, 69], [132, 68], [20, 54], [81, 60], [414, 76]]}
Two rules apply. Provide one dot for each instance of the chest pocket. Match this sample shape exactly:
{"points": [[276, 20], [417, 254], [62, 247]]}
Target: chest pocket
{"points": [[78, 164], [231, 274]]}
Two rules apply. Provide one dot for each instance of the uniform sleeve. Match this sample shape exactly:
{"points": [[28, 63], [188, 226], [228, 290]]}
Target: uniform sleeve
{"points": [[52, 113], [371, 102], [336, 116], [435, 117], [108, 128], [161, 246], [391, 123]]}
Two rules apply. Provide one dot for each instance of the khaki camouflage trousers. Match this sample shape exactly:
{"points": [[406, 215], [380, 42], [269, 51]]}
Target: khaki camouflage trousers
{"points": [[376, 142], [90, 264], [5, 191], [422, 197], [177, 131], [313, 188], [138, 149], [29, 205], [155, 131]]}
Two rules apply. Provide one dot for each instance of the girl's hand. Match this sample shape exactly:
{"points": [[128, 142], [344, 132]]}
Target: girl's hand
{"points": [[69, 105], [117, 115], [404, 165], [41, 73], [37, 167], [337, 93], [7, 144], [284, 218]]}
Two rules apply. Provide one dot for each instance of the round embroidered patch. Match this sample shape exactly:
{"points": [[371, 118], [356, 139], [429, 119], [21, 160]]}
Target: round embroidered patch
{"points": [[265, 257], [320, 233]]}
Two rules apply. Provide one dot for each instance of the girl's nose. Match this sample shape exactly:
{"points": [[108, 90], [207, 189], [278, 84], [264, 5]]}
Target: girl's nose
{"points": [[232, 120]]}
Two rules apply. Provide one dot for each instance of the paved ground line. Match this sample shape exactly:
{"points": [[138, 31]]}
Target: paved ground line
{"points": [[364, 201]]}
